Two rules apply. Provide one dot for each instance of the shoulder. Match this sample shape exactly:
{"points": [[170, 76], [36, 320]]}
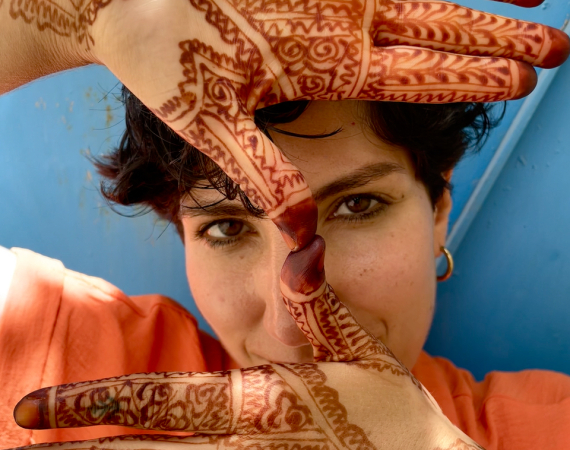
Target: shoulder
{"points": [[506, 409], [70, 316]]}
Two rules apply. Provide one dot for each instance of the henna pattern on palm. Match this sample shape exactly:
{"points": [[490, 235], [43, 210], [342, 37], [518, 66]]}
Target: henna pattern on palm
{"points": [[72, 19]]}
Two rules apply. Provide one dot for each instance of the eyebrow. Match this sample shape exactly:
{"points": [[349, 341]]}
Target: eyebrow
{"points": [[358, 178], [221, 208]]}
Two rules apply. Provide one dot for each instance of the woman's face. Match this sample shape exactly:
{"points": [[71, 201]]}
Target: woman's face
{"points": [[382, 235]]}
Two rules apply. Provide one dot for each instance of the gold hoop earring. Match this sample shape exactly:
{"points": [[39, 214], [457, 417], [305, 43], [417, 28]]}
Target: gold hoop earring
{"points": [[449, 270]]}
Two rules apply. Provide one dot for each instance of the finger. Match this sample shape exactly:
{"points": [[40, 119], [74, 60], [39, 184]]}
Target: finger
{"points": [[328, 325], [523, 3], [412, 74], [233, 141], [136, 442], [238, 402], [201, 402], [453, 28], [409, 74]]}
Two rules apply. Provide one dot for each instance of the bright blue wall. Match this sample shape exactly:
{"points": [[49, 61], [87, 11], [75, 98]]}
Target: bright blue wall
{"points": [[505, 307], [49, 198]]}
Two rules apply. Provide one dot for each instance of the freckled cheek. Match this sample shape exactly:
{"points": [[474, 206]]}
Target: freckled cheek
{"points": [[222, 294], [382, 275]]}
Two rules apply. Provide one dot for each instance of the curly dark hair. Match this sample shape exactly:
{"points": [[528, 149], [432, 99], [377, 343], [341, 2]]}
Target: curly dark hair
{"points": [[153, 167]]}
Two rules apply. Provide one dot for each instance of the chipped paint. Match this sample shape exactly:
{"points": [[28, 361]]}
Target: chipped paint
{"points": [[41, 104], [109, 117]]}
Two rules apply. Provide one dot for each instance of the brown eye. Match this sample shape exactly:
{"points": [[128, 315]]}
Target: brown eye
{"points": [[225, 229], [358, 204]]}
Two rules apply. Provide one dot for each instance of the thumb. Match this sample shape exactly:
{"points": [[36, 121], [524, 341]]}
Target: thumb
{"points": [[328, 325]]}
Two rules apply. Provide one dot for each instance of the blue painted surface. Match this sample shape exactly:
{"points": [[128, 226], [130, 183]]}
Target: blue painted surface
{"points": [[49, 194], [507, 307], [470, 170]]}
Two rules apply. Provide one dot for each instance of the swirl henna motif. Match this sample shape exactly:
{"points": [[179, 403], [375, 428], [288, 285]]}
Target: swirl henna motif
{"points": [[279, 50]]}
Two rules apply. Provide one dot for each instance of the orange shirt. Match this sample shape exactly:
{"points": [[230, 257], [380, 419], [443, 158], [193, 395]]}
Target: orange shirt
{"points": [[59, 326]]}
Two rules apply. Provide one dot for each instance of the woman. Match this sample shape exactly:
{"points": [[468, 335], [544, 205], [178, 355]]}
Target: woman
{"points": [[398, 208]]}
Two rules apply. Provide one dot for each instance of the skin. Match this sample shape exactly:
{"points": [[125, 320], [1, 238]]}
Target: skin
{"points": [[205, 82], [382, 268]]}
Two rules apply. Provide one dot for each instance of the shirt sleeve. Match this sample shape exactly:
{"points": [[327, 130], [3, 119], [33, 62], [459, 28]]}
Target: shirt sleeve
{"points": [[60, 326], [7, 267], [26, 328], [507, 410]]}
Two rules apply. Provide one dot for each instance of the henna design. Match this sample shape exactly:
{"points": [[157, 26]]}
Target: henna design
{"points": [[278, 50], [442, 26], [274, 51], [269, 406], [74, 19]]}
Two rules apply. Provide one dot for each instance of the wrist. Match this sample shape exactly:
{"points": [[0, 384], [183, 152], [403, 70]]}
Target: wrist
{"points": [[39, 40]]}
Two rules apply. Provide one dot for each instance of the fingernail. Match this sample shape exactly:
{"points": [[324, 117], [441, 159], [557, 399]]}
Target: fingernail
{"points": [[527, 3], [303, 271], [559, 49], [31, 411], [528, 79], [298, 224]]}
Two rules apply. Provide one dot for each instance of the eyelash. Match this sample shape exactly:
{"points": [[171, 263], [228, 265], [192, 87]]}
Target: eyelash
{"points": [[352, 218], [217, 243], [361, 217]]}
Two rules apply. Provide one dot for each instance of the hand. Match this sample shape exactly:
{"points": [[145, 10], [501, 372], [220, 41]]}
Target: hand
{"points": [[205, 66], [217, 61], [368, 400]]}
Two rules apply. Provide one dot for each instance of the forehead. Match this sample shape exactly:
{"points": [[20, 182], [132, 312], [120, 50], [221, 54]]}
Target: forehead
{"points": [[355, 146], [324, 160]]}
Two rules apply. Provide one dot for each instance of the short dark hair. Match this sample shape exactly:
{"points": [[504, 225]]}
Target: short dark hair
{"points": [[153, 167]]}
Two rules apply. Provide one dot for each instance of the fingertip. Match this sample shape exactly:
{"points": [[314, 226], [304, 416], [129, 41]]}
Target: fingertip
{"points": [[304, 270], [526, 3], [559, 49], [298, 223], [31, 411], [527, 80]]}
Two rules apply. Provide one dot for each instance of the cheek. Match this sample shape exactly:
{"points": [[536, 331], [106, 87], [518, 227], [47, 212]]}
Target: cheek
{"points": [[222, 294], [386, 276]]}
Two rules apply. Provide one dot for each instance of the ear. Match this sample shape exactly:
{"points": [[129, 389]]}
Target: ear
{"points": [[441, 217]]}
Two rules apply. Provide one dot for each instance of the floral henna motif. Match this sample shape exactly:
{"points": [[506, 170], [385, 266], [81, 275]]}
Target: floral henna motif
{"points": [[73, 20]]}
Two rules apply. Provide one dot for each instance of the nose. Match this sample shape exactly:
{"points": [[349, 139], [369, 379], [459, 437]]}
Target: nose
{"points": [[276, 319]]}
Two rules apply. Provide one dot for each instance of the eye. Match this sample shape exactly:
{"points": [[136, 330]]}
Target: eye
{"points": [[225, 229], [356, 204], [359, 208]]}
